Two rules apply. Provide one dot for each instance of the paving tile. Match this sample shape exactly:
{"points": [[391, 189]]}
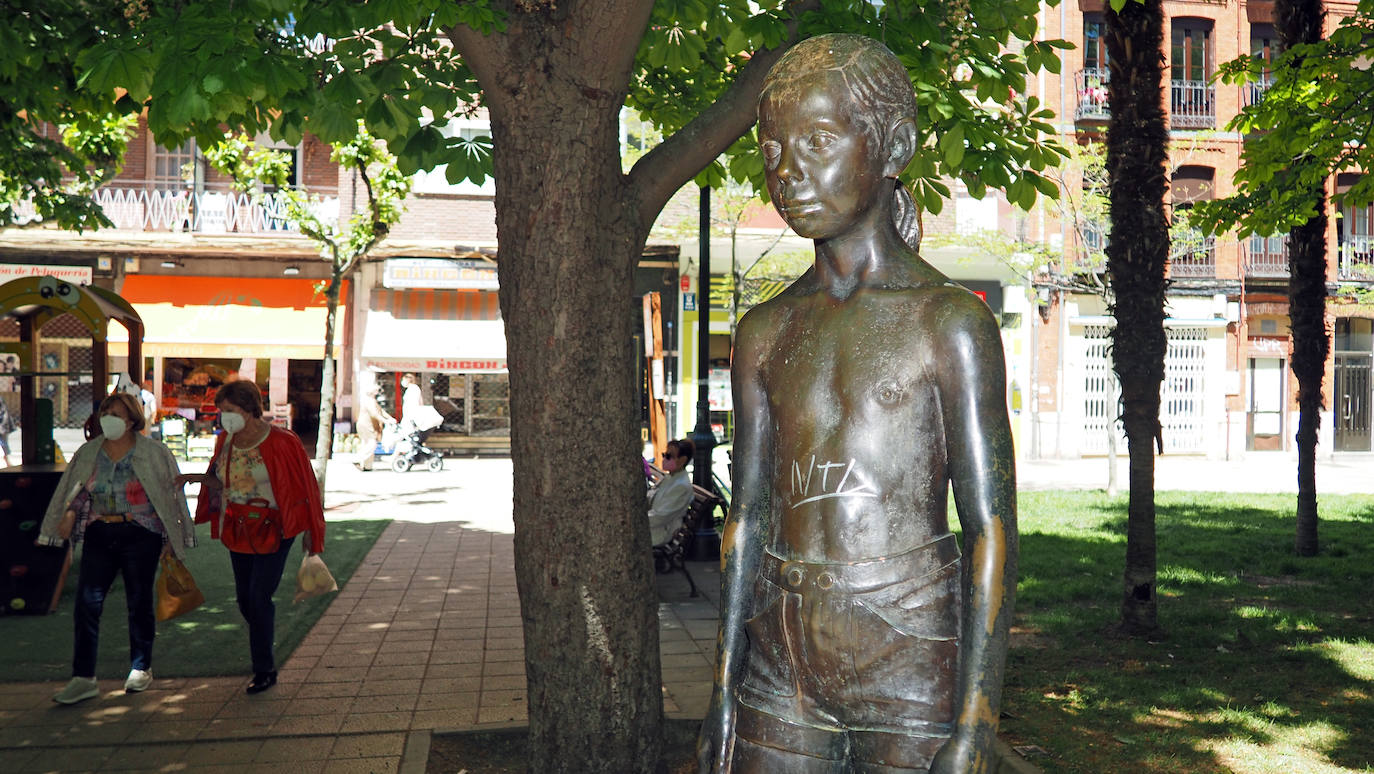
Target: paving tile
{"points": [[167, 731], [221, 729], [453, 670], [368, 746], [147, 757], [408, 672], [364, 765], [444, 701], [401, 659], [444, 718], [314, 690], [389, 703], [303, 725], [15, 760], [295, 749], [314, 707], [500, 667], [67, 759], [502, 715], [376, 721]]}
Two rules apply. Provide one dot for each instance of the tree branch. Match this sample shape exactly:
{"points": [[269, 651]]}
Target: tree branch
{"points": [[666, 168]]}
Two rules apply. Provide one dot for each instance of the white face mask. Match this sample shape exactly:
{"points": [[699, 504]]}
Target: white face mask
{"points": [[113, 427], [232, 422]]}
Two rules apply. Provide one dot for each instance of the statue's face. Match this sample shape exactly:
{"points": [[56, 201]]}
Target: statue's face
{"points": [[824, 173]]}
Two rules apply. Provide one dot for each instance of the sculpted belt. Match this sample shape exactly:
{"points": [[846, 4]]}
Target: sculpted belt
{"points": [[862, 576]]}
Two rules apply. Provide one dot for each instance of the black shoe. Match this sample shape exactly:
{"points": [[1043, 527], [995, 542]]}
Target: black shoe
{"points": [[261, 682]]}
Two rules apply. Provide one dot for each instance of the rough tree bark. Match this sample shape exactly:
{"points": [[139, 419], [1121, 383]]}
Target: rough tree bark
{"points": [[1300, 21], [1137, 153], [571, 228]]}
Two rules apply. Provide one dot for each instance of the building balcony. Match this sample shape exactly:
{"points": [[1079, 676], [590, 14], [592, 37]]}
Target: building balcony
{"points": [[211, 209], [1266, 256], [1195, 258], [1091, 87], [1192, 105], [1254, 92], [1357, 258]]}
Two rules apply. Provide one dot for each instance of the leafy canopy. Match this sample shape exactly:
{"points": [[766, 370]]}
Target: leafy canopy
{"points": [[291, 66], [60, 142], [1312, 122]]}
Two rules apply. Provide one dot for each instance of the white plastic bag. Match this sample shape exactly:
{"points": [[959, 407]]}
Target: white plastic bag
{"points": [[313, 579]]}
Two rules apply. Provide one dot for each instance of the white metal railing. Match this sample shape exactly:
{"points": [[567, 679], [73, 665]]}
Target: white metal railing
{"points": [[147, 206], [1192, 105], [1254, 92], [1195, 258], [1357, 257], [1267, 256], [1091, 85]]}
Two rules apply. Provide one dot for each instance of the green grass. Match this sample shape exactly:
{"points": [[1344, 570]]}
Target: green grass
{"points": [[1266, 663], [211, 640]]}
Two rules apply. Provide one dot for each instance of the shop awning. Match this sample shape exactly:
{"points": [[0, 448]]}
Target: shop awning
{"points": [[392, 343], [229, 317]]}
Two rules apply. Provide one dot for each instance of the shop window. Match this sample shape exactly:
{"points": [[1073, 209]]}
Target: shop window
{"points": [[1354, 334]]}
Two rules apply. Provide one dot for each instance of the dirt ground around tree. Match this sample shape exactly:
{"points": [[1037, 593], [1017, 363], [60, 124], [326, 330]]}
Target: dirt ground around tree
{"points": [[502, 751]]}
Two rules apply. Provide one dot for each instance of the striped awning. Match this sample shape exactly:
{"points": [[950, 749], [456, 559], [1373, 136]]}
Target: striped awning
{"points": [[436, 304]]}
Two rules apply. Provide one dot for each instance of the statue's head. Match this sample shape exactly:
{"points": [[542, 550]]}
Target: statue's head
{"points": [[837, 114]]}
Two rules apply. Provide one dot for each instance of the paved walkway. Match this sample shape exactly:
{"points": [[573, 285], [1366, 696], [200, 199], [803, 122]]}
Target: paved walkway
{"points": [[426, 635]]}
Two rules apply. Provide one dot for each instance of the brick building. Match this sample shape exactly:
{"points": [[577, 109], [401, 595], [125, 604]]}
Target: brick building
{"points": [[1227, 386]]}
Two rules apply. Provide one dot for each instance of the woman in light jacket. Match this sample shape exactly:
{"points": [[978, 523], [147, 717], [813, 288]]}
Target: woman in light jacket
{"points": [[261, 474], [119, 497]]}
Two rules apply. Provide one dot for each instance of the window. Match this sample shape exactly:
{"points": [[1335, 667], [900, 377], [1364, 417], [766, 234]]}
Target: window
{"points": [[1094, 41], [435, 181], [1264, 44], [1191, 58], [168, 165]]}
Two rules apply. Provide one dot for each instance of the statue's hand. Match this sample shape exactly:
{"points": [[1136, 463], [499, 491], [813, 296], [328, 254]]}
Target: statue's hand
{"points": [[714, 741], [963, 755]]}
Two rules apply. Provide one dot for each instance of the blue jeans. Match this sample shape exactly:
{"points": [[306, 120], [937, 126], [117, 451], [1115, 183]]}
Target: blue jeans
{"points": [[256, 577], [110, 550]]}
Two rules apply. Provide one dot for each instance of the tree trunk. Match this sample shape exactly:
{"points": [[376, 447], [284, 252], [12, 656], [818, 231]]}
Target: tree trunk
{"points": [[570, 239], [1300, 21], [324, 439], [1137, 152]]}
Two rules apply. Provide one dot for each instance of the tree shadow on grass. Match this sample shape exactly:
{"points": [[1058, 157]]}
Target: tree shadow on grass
{"points": [[1265, 664]]}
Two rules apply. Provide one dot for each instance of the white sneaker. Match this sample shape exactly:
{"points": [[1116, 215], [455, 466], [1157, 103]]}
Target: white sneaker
{"points": [[78, 690], [139, 680]]}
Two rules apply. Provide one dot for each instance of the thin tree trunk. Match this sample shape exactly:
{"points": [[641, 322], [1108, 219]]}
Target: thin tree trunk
{"points": [[1137, 152], [583, 569], [1300, 21], [324, 439]]}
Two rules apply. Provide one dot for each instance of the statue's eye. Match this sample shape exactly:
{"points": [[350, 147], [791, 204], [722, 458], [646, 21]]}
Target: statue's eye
{"points": [[771, 151], [821, 140]]}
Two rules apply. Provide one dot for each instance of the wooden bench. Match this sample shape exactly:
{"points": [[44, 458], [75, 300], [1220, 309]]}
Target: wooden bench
{"points": [[673, 554]]}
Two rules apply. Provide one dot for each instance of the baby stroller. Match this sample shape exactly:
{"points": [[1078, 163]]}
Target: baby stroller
{"points": [[410, 450]]}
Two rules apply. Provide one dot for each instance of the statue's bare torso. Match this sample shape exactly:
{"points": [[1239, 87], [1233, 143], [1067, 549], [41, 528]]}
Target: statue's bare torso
{"points": [[858, 463]]}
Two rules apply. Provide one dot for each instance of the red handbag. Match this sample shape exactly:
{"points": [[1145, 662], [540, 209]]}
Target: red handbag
{"points": [[253, 527]]}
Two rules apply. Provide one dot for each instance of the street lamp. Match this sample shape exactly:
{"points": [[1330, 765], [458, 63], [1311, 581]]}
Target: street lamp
{"points": [[702, 436]]}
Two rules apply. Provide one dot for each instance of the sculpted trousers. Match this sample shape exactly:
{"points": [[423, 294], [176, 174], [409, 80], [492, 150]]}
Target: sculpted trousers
{"points": [[851, 664]]}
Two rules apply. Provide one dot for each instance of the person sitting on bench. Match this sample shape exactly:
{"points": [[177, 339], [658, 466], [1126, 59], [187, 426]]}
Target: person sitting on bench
{"points": [[672, 496]]}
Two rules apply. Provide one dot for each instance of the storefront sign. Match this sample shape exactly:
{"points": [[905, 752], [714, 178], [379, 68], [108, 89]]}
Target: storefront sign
{"points": [[689, 302], [438, 273], [441, 365], [78, 275]]}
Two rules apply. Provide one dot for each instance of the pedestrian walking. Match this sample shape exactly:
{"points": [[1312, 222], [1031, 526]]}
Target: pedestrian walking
{"points": [[258, 494], [120, 499]]}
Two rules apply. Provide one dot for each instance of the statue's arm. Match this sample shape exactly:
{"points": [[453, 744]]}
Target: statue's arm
{"points": [[983, 474], [741, 545]]}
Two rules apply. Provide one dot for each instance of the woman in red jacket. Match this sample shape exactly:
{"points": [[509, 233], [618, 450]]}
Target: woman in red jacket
{"points": [[258, 494]]}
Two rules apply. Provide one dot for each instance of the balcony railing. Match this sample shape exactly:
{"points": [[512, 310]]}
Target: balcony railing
{"points": [[1267, 256], [1357, 258], [1196, 258], [1254, 92], [144, 206], [1192, 105], [1091, 84]]}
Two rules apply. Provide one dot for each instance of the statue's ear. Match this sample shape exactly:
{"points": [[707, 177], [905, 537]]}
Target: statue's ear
{"points": [[901, 147]]}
